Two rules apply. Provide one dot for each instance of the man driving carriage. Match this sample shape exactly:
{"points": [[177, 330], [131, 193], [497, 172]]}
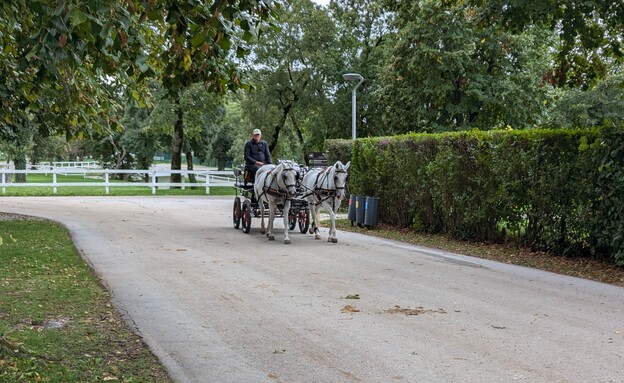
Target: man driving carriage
{"points": [[256, 154]]}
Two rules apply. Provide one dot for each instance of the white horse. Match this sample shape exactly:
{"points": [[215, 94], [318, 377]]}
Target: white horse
{"points": [[276, 185], [325, 188]]}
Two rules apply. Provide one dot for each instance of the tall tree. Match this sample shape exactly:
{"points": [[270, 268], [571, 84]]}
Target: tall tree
{"points": [[295, 69], [203, 113], [445, 73], [198, 44], [591, 33], [46, 41]]}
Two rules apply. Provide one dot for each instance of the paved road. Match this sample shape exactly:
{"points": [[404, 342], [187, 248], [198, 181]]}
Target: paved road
{"points": [[217, 305]]}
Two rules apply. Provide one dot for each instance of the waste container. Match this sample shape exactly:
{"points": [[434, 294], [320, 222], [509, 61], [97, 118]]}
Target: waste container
{"points": [[371, 212], [351, 213], [360, 205]]}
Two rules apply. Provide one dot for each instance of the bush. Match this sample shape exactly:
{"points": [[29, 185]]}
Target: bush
{"points": [[338, 150], [553, 190]]}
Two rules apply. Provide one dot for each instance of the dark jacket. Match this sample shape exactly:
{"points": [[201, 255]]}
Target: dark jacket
{"points": [[257, 151]]}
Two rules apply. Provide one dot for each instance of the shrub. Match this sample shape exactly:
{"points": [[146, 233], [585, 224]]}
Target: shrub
{"points": [[554, 190]]}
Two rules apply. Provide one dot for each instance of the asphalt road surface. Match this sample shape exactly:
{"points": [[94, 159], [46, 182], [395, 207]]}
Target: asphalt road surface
{"points": [[217, 305]]}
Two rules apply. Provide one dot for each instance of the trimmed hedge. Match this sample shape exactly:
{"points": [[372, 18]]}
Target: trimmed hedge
{"points": [[554, 190], [338, 150]]}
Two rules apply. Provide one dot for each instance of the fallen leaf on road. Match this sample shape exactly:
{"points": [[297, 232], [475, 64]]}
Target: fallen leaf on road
{"points": [[414, 311], [350, 309]]}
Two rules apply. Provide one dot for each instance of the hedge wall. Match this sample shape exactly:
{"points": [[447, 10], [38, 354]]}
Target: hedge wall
{"points": [[554, 190]]}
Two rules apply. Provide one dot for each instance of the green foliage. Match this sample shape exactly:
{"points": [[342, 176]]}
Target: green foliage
{"points": [[72, 65], [338, 150], [554, 190], [297, 69], [47, 149], [596, 106], [137, 139], [589, 33], [609, 198], [445, 73]]}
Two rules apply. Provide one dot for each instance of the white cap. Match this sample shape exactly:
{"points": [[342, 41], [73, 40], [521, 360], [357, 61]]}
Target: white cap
{"points": [[257, 131]]}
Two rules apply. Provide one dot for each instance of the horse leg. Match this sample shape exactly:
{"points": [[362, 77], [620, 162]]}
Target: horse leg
{"points": [[332, 230], [312, 219], [262, 228], [270, 224], [285, 211], [317, 218]]}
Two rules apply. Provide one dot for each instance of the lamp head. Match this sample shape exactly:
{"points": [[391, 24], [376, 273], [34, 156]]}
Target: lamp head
{"points": [[352, 77]]}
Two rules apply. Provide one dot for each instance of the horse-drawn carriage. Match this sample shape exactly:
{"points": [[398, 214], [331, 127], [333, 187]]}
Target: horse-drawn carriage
{"points": [[247, 205], [292, 188]]}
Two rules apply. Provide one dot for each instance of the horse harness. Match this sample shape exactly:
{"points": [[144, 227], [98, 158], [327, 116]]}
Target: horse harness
{"points": [[323, 194], [275, 192]]}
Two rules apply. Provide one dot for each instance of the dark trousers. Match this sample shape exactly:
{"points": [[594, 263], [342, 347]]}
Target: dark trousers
{"points": [[250, 173]]}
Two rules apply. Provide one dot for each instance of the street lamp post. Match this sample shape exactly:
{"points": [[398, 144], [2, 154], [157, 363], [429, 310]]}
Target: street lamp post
{"points": [[353, 77]]}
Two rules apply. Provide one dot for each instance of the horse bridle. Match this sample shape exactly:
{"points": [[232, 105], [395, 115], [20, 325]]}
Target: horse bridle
{"points": [[345, 185], [325, 194], [278, 192]]}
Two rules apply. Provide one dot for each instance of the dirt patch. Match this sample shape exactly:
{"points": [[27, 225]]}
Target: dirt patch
{"points": [[350, 309], [412, 311]]}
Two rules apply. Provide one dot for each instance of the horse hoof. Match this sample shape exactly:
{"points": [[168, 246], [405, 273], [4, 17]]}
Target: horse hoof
{"points": [[317, 237], [263, 231], [287, 241], [271, 238], [334, 240], [311, 231]]}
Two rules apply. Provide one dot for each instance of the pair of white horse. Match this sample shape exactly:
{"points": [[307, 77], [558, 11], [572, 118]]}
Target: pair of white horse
{"points": [[322, 188]]}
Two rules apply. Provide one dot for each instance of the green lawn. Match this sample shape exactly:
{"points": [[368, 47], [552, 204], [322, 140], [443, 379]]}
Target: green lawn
{"points": [[101, 191], [56, 320]]}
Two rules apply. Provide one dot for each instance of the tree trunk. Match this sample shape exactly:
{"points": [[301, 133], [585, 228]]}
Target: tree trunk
{"points": [[285, 110], [221, 164], [299, 137], [189, 166], [176, 147], [20, 164], [23, 138]]}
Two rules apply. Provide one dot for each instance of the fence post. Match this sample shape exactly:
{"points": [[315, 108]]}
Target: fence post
{"points": [[3, 180], [54, 182], [153, 171], [207, 181], [106, 180], [183, 178]]}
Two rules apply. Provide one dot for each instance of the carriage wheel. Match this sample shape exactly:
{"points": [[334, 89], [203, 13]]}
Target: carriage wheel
{"points": [[292, 219], [236, 214], [246, 218], [304, 220]]}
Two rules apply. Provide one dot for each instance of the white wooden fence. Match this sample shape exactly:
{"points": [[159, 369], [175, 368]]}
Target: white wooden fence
{"points": [[159, 178]]}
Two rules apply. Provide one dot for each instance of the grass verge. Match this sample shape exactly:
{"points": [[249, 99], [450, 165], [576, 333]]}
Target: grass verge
{"points": [[508, 253], [56, 321]]}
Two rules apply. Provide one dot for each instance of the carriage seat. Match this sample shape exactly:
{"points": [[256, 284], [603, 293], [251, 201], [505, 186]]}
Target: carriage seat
{"points": [[248, 177], [243, 174]]}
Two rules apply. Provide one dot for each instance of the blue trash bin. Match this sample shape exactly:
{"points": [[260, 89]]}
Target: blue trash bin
{"points": [[371, 212], [360, 205], [351, 213]]}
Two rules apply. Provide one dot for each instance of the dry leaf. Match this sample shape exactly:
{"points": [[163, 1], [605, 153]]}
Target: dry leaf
{"points": [[350, 309]]}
